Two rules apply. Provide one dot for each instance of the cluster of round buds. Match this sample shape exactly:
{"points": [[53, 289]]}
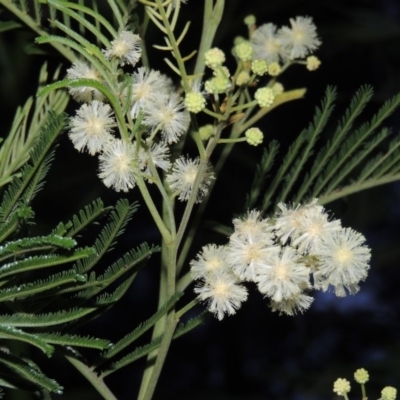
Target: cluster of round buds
{"points": [[342, 386], [162, 113], [300, 248]]}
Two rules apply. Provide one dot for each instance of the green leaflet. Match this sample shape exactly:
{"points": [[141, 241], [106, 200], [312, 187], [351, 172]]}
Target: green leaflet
{"points": [[26, 371], [142, 351], [331, 174]]}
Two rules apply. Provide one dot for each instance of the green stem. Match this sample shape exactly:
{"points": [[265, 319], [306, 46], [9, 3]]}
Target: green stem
{"points": [[92, 377], [211, 21], [27, 20], [162, 354], [175, 48], [185, 309], [356, 187]]}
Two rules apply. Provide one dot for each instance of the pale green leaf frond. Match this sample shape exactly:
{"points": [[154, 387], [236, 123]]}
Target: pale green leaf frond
{"points": [[38, 243], [356, 159], [312, 135], [15, 191], [42, 320], [138, 353], [25, 371], [303, 146], [141, 329], [357, 105], [73, 340], [26, 128], [45, 261], [9, 332], [118, 219], [142, 351], [261, 173], [85, 217], [40, 286]]}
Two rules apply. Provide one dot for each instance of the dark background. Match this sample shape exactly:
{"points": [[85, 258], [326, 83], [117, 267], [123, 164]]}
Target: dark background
{"points": [[255, 354]]}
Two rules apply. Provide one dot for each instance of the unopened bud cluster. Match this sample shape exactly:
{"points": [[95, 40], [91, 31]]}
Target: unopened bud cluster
{"points": [[342, 386]]}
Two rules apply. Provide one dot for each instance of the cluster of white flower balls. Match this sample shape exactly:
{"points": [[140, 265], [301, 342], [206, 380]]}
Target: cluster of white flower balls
{"points": [[300, 248]]}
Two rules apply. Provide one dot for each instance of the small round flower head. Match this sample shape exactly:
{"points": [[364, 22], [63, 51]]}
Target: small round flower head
{"points": [[168, 115], [244, 51], [82, 70], [274, 69], [148, 86], [315, 226], [341, 386], [259, 67], [344, 261], [247, 252], [388, 393], [361, 376], [126, 47], [278, 88], [266, 44], [243, 78], [312, 63], [254, 136], [214, 57], [195, 102], [282, 277], [223, 294], [264, 96], [209, 262], [218, 84], [91, 127], [116, 169], [183, 175], [252, 227], [250, 20], [297, 303], [300, 39], [206, 131], [289, 220]]}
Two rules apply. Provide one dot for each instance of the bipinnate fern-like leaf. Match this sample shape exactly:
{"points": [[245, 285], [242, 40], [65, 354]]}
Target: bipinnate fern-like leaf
{"points": [[143, 351], [26, 128], [28, 372], [261, 173], [140, 330], [18, 191], [332, 172], [119, 217]]}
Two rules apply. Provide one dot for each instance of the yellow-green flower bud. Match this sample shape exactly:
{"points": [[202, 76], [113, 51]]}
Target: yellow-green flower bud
{"points": [[218, 84], [250, 20], [238, 39], [214, 57], [361, 376], [274, 69], [195, 102], [243, 78], [277, 88], [264, 96], [222, 71], [259, 67], [341, 387], [388, 393], [244, 51], [254, 136], [206, 131], [313, 63]]}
